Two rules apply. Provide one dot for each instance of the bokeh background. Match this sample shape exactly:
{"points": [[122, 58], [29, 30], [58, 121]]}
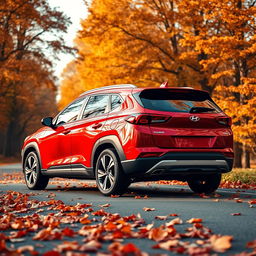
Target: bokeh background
{"points": [[209, 45]]}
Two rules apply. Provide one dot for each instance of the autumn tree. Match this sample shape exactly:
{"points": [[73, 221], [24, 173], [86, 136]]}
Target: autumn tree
{"points": [[145, 43], [204, 44], [30, 32], [231, 52], [119, 36]]}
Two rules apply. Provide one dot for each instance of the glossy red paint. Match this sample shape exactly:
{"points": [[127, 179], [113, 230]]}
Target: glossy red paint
{"points": [[74, 142]]}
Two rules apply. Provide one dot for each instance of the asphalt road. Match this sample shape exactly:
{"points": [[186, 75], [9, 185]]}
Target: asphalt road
{"points": [[9, 168], [215, 211]]}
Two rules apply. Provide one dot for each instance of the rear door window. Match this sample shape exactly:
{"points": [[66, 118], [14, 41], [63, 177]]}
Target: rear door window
{"points": [[116, 102], [189, 101], [97, 105]]}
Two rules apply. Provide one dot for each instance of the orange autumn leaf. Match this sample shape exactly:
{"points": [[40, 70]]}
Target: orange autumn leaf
{"points": [[220, 243], [251, 244], [194, 220], [52, 253], [68, 232], [104, 205], [91, 246], [110, 226], [67, 246], [130, 249], [167, 245], [161, 217], [174, 222], [114, 196], [158, 234], [148, 209], [252, 201], [126, 229]]}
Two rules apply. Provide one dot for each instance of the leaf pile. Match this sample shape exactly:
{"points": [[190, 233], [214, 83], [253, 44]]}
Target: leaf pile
{"points": [[81, 230]]}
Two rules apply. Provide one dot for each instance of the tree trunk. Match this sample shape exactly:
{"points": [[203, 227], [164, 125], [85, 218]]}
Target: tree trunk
{"points": [[9, 139], [12, 140], [238, 150], [246, 158], [204, 83]]}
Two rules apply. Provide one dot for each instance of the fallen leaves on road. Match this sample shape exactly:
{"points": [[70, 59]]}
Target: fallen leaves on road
{"points": [[146, 209], [220, 243], [194, 220], [161, 217], [174, 222], [173, 215], [236, 214], [224, 184], [252, 202], [20, 219], [104, 205], [251, 244]]}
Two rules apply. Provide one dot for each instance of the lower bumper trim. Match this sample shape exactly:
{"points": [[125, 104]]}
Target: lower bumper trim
{"points": [[186, 165], [180, 163]]}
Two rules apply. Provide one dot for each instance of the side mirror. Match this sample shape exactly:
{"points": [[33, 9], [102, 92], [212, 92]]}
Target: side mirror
{"points": [[47, 121]]}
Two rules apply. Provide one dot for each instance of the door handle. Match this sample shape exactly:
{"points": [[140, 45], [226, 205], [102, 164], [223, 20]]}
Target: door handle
{"points": [[96, 126], [66, 132]]}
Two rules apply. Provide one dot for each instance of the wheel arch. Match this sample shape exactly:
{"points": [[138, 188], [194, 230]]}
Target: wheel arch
{"points": [[110, 141], [32, 146]]}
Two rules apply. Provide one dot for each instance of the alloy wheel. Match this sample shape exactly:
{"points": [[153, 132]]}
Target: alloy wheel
{"points": [[106, 172], [31, 170]]}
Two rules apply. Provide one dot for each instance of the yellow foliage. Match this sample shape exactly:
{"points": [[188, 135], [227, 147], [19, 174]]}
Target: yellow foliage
{"points": [[205, 44]]}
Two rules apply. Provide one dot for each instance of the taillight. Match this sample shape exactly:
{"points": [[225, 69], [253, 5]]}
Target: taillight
{"points": [[147, 119], [226, 121]]}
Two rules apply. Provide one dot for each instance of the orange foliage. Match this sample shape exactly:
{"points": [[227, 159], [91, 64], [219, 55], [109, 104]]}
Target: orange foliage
{"points": [[30, 32], [204, 44]]}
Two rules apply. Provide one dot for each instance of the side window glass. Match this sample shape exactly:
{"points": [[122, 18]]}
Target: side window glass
{"points": [[116, 101], [97, 105], [70, 113]]}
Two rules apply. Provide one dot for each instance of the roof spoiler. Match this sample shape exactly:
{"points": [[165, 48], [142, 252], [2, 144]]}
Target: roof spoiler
{"points": [[164, 85]]}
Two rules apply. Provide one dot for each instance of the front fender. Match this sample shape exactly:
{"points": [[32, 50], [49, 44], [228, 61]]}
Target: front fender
{"points": [[31, 145]]}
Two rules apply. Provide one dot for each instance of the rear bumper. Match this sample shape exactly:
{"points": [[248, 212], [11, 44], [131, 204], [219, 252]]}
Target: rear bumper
{"points": [[178, 163]]}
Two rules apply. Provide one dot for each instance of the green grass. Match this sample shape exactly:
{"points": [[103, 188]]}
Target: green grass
{"points": [[246, 176]]}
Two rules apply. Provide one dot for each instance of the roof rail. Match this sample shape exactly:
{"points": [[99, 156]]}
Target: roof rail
{"points": [[120, 86]]}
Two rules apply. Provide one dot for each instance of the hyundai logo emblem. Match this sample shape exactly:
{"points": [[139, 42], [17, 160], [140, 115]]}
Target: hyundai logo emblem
{"points": [[194, 118]]}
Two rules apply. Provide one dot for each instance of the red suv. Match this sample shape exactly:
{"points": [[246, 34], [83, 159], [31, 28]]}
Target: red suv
{"points": [[122, 134]]}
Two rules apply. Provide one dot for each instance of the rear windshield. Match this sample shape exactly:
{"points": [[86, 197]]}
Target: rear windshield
{"points": [[187, 101]]}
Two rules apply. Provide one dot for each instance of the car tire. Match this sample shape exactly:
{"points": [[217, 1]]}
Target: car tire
{"points": [[204, 183], [109, 174], [32, 172]]}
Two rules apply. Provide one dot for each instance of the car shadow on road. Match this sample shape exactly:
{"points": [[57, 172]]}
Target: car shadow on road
{"points": [[144, 191], [158, 191], [134, 191]]}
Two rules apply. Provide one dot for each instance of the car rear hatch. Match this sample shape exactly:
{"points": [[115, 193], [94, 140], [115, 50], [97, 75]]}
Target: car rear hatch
{"points": [[183, 118]]}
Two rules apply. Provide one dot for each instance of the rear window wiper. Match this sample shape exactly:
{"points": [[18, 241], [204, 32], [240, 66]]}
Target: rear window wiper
{"points": [[200, 109]]}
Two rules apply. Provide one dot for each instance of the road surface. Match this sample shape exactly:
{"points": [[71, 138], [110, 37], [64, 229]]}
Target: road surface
{"points": [[215, 210], [10, 168]]}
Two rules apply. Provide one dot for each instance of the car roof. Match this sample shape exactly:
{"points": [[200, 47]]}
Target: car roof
{"points": [[111, 88], [130, 87]]}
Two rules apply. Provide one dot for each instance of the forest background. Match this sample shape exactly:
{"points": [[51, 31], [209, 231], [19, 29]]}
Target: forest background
{"points": [[209, 45]]}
